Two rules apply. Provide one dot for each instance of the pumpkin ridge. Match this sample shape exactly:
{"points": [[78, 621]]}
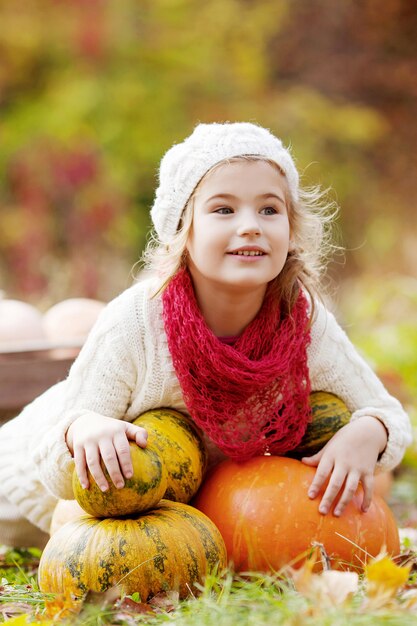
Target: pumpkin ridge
{"points": [[160, 557], [192, 566], [207, 540], [106, 579], [74, 562], [122, 543]]}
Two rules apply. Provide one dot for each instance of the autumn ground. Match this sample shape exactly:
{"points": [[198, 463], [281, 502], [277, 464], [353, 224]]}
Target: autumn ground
{"points": [[87, 67], [386, 593]]}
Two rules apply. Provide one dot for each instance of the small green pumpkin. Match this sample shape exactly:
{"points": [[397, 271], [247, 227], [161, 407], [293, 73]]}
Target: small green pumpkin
{"points": [[181, 448], [329, 414], [141, 492]]}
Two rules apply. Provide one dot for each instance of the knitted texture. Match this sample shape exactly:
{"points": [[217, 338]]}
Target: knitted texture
{"points": [[250, 397], [185, 164], [125, 368]]}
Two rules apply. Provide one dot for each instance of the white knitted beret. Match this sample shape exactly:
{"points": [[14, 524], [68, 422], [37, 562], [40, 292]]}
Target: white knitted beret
{"points": [[184, 165]]}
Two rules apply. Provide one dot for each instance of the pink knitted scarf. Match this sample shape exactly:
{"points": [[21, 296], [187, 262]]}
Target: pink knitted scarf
{"points": [[251, 397]]}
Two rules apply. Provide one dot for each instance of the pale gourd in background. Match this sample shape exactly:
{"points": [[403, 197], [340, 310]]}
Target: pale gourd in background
{"points": [[20, 324], [71, 320]]}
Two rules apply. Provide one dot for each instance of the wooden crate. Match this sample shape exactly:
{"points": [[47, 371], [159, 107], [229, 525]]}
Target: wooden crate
{"points": [[28, 370]]}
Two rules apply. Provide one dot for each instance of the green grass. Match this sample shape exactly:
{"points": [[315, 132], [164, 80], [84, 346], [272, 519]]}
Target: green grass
{"points": [[227, 600]]}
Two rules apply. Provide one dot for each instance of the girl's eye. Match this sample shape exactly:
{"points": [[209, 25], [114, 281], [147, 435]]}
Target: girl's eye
{"points": [[224, 210], [269, 210]]}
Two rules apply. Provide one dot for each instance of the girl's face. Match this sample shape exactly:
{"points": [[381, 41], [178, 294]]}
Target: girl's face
{"points": [[240, 234]]}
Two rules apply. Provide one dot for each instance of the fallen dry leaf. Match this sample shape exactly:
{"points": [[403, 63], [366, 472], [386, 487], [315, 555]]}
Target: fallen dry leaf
{"points": [[166, 601], [384, 579], [328, 588], [130, 606], [383, 575], [8, 609], [63, 605]]}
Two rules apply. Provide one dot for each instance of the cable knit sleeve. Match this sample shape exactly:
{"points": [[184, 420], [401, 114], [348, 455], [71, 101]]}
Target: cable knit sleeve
{"points": [[336, 367], [100, 380]]}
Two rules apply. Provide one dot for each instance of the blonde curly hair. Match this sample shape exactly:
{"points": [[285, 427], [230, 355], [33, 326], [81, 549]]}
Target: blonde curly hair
{"points": [[309, 217]]}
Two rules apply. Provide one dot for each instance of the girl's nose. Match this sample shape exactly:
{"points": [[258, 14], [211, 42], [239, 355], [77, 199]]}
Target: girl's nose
{"points": [[249, 225]]}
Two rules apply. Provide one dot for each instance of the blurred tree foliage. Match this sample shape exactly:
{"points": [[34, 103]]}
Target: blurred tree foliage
{"points": [[381, 320], [92, 92]]}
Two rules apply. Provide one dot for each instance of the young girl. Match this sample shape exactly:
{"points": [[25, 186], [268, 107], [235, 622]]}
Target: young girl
{"points": [[229, 329]]}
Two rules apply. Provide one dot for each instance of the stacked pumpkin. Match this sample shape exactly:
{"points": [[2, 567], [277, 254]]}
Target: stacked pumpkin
{"points": [[143, 537], [260, 507]]}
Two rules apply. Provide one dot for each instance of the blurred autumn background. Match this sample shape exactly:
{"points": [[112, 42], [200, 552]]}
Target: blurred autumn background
{"points": [[92, 93]]}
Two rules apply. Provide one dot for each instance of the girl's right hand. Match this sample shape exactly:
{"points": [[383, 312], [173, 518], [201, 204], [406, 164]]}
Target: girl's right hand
{"points": [[93, 437]]}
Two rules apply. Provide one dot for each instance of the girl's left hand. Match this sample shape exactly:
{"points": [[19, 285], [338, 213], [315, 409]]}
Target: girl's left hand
{"points": [[349, 457]]}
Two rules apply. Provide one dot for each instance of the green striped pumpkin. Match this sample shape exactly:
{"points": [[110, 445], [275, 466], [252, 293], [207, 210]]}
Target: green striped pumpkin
{"points": [[171, 547], [141, 492], [181, 448], [329, 414]]}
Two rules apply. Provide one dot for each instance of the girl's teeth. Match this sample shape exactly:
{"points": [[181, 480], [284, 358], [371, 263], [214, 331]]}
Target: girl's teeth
{"points": [[249, 252]]}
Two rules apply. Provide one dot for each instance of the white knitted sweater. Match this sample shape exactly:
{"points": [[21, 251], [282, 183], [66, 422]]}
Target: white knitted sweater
{"points": [[125, 368]]}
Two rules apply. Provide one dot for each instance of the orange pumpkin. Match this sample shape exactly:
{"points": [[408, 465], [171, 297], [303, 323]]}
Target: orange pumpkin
{"points": [[267, 520]]}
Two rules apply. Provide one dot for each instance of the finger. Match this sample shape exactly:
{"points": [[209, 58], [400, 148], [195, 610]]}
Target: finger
{"points": [[349, 491], [322, 473], [92, 457], [111, 462], [81, 467], [336, 482], [138, 434], [368, 488], [122, 447], [313, 460]]}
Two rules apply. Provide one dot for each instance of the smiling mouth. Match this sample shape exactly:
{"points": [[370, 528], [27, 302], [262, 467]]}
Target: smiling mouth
{"points": [[248, 253]]}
